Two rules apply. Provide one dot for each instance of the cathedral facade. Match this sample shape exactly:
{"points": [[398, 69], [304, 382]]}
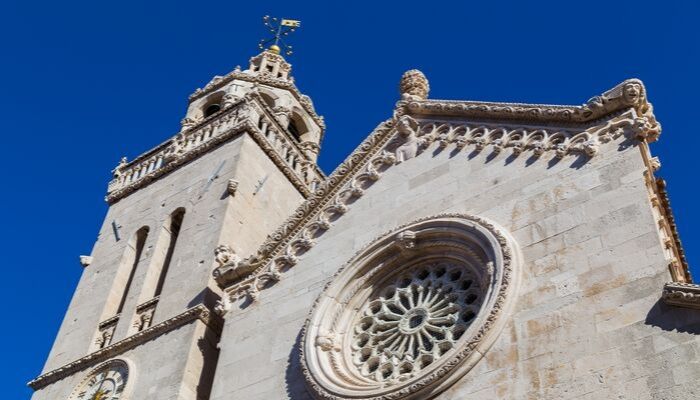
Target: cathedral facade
{"points": [[463, 250]]}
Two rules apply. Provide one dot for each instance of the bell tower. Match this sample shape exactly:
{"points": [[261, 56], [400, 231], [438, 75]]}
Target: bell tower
{"points": [[141, 323]]}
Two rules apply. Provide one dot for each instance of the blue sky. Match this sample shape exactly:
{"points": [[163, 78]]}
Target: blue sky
{"points": [[83, 83]]}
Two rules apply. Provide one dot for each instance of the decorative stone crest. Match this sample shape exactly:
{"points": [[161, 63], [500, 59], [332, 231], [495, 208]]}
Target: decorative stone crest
{"points": [[414, 85], [395, 327]]}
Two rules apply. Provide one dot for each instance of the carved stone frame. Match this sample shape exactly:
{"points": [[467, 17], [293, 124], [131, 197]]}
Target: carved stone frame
{"points": [[128, 387], [324, 340]]}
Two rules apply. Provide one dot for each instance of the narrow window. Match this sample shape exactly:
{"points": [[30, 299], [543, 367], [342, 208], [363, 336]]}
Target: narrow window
{"points": [[134, 252], [174, 228]]}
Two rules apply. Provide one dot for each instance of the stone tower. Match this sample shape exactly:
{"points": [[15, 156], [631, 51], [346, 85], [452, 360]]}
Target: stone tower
{"points": [[464, 250], [140, 323]]}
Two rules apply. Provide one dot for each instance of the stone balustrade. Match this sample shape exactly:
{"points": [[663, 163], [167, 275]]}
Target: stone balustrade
{"points": [[207, 134]]}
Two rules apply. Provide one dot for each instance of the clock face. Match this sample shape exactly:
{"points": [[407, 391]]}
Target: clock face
{"points": [[106, 382]]}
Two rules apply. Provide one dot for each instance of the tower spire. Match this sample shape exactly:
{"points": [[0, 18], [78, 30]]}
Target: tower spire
{"points": [[279, 28]]}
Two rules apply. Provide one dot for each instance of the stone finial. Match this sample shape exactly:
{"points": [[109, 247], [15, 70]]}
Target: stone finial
{"points": [[414, 85]]}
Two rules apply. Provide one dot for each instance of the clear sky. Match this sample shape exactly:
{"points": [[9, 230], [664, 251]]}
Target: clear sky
{"points": [[83, 83]]}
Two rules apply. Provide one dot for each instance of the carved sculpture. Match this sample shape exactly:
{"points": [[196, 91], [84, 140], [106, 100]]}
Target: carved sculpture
{"points": [[407, 128]]}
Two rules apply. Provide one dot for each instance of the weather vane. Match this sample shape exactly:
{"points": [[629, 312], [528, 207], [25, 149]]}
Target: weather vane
{"points": [[279, 28]]}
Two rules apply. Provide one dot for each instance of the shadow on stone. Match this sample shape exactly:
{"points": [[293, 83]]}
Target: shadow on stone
{"points": [[627, 143], [510, 158], [672, 318], [490, 157], [293, 378], [552, 162], [437, 151], [206, 297], [580, 161], [473, 154], [531, 160]]}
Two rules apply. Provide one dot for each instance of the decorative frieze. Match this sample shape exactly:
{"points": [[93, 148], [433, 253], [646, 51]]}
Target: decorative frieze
{"points": [[199, 312], [629, 94], [403, 138]]}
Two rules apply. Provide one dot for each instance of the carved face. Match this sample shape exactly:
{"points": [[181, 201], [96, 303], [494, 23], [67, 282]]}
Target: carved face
{"points": [[632, 92], [222, 254], [406, 125]]}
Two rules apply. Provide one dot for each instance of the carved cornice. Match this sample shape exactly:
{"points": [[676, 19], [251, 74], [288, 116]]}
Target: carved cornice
{"points": [[246, 76], [199, 312], [387, 146], [665, 204], [628, 94], [682, 295]]}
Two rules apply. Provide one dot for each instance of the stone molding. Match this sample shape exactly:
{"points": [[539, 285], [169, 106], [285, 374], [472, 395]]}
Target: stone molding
{"points": [[404, 137], [628, 94], [199, 312], [679, 262], [192, 143], [323, 363], [682, 295]]}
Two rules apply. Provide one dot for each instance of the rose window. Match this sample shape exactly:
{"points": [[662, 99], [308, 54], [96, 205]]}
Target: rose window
{"points": [[411, 313], [414, 321]]}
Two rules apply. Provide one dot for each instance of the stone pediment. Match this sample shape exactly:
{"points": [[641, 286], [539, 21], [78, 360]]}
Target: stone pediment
{"points": [[419, 123]]}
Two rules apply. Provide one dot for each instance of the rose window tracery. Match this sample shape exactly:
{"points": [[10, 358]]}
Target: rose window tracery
{"points": [[414, 321], [410, 313]]}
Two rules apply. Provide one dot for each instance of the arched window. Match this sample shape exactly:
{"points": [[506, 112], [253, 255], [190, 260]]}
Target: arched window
{"points": [[141, 236], [162, 255], [174, 231], [212, 109], [125, 273]]}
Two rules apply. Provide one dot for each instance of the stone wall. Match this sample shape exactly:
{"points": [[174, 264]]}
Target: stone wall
{"points": [[588, 321], [264, 198]]}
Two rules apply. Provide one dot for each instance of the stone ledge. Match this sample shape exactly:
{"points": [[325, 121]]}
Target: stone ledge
{"points": [[682, 295], [199, 312]]}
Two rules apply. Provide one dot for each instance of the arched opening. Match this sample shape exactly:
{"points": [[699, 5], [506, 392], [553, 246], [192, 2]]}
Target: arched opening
{"points": [[268, 99], [297, 127], [212, 105], [212, 109], [125, 273], [174, 231]]}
